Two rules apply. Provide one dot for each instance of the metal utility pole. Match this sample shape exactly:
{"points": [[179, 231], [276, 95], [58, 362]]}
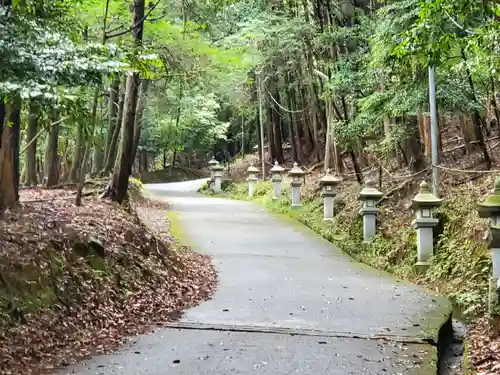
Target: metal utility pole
{"points": [[261, 123], [434, 130], [242, 137]]}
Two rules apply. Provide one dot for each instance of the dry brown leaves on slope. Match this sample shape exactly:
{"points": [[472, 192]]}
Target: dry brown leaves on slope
{"points": [[483, 351], [77, 280]]}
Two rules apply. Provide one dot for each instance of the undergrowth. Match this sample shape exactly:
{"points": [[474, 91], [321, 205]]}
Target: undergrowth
{"points": [[461, 264]]}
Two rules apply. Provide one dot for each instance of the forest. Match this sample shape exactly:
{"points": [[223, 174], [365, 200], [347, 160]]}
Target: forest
{"points": [[108, 90], [101, 88]]}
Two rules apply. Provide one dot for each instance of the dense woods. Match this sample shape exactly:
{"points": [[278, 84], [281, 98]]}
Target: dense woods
{"points": [[110, 88], [102, 90]]}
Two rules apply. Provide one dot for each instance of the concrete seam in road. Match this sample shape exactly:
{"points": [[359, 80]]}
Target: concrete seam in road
{"points": [[300, 332]]}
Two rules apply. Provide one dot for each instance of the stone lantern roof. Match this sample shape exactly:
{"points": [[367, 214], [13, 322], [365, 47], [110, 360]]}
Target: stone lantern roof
{"points": [[277, 168], [491, 204], [425, 198], [252, 169], [370, 191], [213, 162], [329, 180], [296, 171], [217, 167]]}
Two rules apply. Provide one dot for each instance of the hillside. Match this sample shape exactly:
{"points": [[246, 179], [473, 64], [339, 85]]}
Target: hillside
{"points": [[76, 281]]}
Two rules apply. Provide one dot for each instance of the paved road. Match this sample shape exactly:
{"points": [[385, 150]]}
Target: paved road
{"points": [[288, 302]]}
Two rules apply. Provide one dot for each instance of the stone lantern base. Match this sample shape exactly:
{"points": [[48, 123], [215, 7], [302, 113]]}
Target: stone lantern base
{"points": [[425, 241], [276, 189], [217, 184], [251, 185], [328, 206], [296, 194], [369, 223]]}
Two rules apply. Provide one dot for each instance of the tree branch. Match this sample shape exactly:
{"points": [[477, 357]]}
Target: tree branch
{"points": [[40, 133], [109, 36], [106, 10]]}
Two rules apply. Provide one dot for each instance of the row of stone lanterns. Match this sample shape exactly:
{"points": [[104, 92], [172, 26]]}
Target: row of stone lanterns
{"points": [[424, 204], [296, 173]]}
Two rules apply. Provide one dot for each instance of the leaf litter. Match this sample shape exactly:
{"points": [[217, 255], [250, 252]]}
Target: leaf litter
{"points": [[76, 281], [483, 349]]}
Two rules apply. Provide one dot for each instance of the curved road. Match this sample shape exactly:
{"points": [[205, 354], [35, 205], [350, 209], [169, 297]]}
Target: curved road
{"points": [[288, 302]]}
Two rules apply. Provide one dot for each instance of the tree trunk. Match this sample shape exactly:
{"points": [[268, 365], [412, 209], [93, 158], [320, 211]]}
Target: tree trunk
{"points": [[79, 150], [144, 162], [81, 178], [97, 159], [270, 136], [314, 104], [65, 165], [113, 146], [357, 169], [14, 139], [291, 132], [276, 120], [117, 190], [40, 169], [494, 104], [31, 177], [294, 128], [139, 114], [468, 134], [476, 117], [51, 156], [415, 157], [424, 127], [361, 152], [8, 191], [113, 106], [305, 128]]}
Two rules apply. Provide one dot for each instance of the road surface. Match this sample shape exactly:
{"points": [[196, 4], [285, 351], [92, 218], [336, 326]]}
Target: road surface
{"points": [[287, 302]]}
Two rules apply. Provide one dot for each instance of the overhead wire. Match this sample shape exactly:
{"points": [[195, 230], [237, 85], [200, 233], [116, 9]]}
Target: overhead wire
{"points": [[283, 108]]}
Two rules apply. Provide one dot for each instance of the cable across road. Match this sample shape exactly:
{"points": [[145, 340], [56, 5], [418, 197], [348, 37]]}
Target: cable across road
{"points": [[283, 108]]}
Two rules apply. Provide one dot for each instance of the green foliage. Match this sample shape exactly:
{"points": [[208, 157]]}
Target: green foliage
{"points": [[462, 263], [41, 63]]}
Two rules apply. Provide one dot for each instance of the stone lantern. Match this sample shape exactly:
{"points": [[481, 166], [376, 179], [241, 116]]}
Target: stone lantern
{"points": [[211, 164], [297, 174], [276, 178], [369, 197], [252, 177], [217, 169], [329, 185], [490, 208], [425, 203]]}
